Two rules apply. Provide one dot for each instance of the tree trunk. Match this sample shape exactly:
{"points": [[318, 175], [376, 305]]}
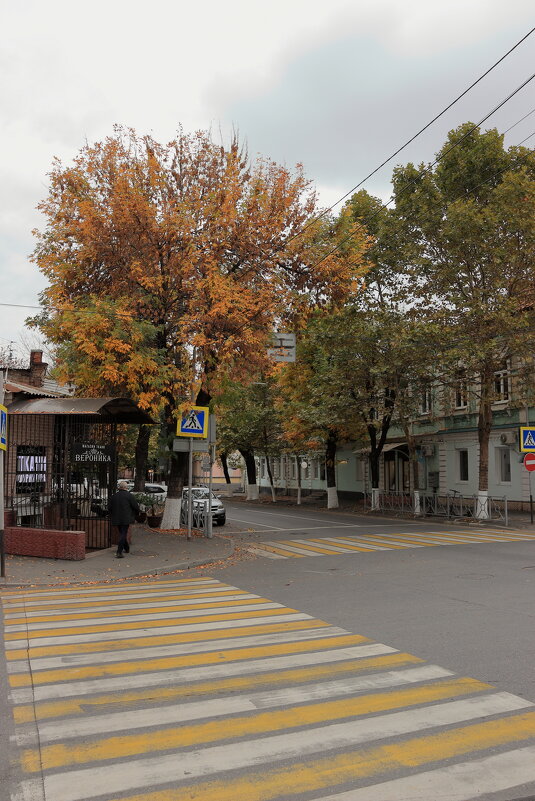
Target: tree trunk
{"points": [[177, 478], [142, 456], [250, 465], [270, 476], [330, 470], [298, 459], [224, 465], [484, 427]]}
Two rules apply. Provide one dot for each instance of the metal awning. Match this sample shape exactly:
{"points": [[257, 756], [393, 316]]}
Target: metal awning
{"points": [[388, 446], [112, 410]]}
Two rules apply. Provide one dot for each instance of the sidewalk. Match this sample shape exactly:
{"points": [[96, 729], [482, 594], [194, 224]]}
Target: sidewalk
{"points": [[151, 552]]}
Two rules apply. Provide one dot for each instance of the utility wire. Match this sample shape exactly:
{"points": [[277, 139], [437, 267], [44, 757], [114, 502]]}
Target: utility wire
{"points": [[518, 123], [346, 239], [93, 311], [429, 167], [415, 136]]}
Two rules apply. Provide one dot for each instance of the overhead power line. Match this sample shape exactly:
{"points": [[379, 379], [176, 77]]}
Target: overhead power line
{"points": [[415, 136], [94, 311], [433, 163]]}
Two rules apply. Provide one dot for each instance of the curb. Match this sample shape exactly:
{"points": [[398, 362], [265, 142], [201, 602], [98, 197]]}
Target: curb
{"points": [[152, 572]]}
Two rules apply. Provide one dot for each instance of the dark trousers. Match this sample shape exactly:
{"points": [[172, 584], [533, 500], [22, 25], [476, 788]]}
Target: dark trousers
{"points": [[123, 534]]}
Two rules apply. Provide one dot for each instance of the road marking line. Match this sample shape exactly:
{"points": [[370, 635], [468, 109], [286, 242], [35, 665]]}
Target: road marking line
{"points": [[463, 781], [151, 641], [149, 771], [508, 769], [309, 546], [293, 549], [265, 553], [249, 523], [127, 596], [162, 677], [149, 628], [113, 587], [52, 615], [143, 664], [277, 551], [37, 629], [180, 713], [247, 641], [126, 745], [293, 675], [349, 543]]}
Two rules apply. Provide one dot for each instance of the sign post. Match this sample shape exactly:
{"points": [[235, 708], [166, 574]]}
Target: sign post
{"points": [[529, 464], [3, 448], [194, 424]]}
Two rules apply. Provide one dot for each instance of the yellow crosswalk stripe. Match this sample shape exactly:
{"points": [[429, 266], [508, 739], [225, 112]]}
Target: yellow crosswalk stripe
{"points": [[169, 639], [120, 747], [80, 706], [39, 677], [166, 700], [334, 770], [396, 541], [143, 624]]}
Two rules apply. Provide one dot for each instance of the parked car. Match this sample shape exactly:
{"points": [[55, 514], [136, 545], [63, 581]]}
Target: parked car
{"points": [[200, 496]]}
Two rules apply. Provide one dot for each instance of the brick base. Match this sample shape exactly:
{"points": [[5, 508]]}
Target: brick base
{"points": [[44, 542]]}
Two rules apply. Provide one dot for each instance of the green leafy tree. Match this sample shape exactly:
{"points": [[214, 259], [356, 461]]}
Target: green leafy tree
{"points": [[466, 243]]}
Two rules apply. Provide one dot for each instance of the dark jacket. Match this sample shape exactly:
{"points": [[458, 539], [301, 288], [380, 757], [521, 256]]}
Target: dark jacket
{"points": [[123, 508]]}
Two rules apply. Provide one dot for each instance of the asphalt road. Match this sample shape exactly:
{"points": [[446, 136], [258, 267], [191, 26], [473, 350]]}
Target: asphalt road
{"points": [[470, 607], [345, 659]]}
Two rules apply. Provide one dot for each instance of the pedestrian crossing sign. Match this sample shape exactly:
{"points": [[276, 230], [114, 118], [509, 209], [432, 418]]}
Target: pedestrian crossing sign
{"points": [[194, 422], [527, 439], [3, 428]]}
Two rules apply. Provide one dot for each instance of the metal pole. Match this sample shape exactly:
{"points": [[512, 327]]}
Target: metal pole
{"points": [[2, 545], [211, 450], [530, 499], [190, 482]]}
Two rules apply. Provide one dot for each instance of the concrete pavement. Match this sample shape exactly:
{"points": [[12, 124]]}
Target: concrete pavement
{"points": [[152, 553]]}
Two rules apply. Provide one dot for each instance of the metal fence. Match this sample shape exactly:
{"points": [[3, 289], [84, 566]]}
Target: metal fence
{"points": [[449, 505], [60, 472]]}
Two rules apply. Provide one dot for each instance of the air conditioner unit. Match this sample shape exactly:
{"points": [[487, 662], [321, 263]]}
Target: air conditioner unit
{"points": [[508, 438], [428, 450]]}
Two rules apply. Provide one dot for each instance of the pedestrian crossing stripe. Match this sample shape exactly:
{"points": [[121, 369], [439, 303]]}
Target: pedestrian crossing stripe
{"points": [[367, 543], [259, 707]]}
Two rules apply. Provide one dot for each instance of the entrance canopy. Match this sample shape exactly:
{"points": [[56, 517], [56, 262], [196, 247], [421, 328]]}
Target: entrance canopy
{"points": [[103, 410]]}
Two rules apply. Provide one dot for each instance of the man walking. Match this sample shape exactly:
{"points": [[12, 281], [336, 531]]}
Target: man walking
{"points": [[123, 510]]}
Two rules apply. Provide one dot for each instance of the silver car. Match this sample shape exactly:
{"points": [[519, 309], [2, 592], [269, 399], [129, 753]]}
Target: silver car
{"points": [[200, 497]]}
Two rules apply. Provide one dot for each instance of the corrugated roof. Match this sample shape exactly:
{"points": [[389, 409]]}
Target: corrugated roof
{"points": [[118, 410], [44, 391]]}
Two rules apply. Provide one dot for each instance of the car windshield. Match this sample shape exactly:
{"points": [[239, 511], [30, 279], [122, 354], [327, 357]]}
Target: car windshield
{"points": [[200, 493]]}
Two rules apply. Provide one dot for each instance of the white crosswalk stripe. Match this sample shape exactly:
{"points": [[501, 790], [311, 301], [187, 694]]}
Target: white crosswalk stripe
{"points": [[359, 544], [117, 693]]}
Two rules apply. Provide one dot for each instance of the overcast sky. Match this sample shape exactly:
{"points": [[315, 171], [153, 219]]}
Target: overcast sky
{"points": [[336, 85]]}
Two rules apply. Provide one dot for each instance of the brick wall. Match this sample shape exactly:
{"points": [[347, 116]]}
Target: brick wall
{"points": [[46, 543]]}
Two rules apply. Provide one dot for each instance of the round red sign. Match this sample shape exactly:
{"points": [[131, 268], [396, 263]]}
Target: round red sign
{"points": [[529, 461]]}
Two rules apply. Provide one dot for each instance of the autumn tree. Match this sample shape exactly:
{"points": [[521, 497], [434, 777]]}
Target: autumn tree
{"points": [[196, 241], [466, 241], [249, 422]]}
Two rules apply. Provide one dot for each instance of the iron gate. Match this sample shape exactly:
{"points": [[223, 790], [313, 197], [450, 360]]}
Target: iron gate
{"points": [[60, 473]]}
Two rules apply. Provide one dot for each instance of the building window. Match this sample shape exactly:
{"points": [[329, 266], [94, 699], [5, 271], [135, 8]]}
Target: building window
{"points": [[501, 385], [359, 470], [275, 468], [425, 400], [503, 465], [463, 464], [461, 393]]}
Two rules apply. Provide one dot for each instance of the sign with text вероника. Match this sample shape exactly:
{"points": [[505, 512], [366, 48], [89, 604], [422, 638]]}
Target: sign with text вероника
{"points": [[92, 453]]}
